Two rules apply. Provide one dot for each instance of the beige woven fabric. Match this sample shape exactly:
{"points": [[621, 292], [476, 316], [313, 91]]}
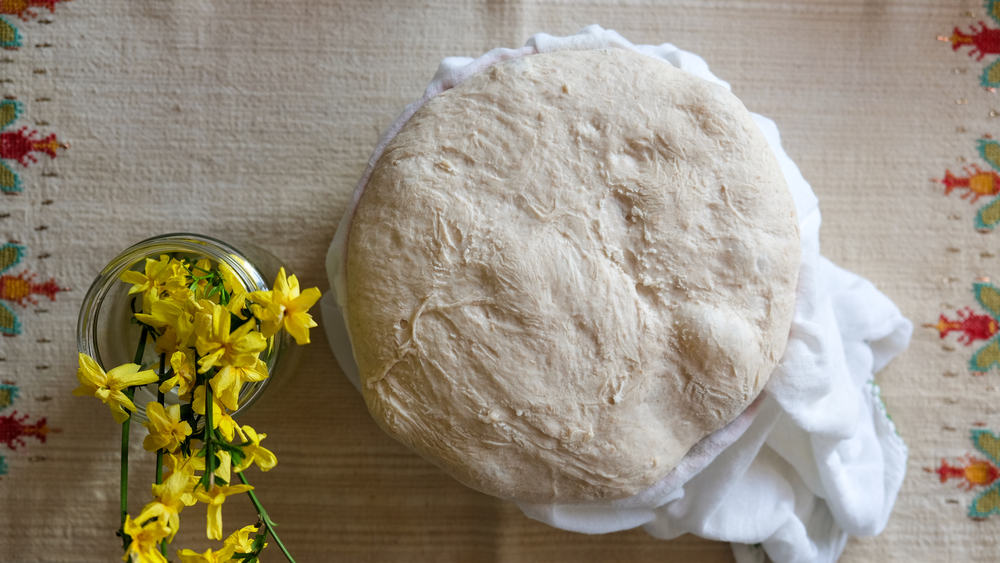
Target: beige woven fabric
{"points": [[251, 121]]}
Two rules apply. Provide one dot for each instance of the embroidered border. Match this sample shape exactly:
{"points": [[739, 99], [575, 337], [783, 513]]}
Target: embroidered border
{"points": [[19, 289], [976, 183], [982, 41], [10, 37], [974, 472], [15, 428], [20, 145], [22, 8], [975, 327]]}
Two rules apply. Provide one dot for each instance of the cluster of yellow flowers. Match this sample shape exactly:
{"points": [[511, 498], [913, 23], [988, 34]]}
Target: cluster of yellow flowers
{"points": [[190, 310]]}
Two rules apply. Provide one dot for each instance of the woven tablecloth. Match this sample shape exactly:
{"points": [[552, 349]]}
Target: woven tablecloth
{"points": [[252, 120]]}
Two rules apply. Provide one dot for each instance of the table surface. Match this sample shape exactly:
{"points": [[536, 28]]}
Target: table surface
{"points": [[252, 120]]}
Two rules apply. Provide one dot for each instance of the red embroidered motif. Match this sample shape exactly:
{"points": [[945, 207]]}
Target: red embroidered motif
{"points": [[973, 326], [977, 182], [13, 430], [20, 8], [972, 471], [984, 42], [18, 145], [21, 287]]}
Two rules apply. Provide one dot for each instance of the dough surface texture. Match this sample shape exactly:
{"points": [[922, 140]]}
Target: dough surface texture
{"points": [[566, 271]]}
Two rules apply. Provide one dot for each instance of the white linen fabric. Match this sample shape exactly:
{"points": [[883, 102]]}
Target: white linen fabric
{"points": [[813, 460]]}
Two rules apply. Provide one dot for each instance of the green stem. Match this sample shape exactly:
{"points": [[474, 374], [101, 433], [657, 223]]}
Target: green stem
{"points": [[123, 480], [159, 453], [209, 436], [270, 525], [162, 373], [159, 479], [140, 350], [126, 427], [159, 467]]}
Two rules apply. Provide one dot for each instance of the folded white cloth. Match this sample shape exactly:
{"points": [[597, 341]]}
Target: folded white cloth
{"points": [[814, 459]]}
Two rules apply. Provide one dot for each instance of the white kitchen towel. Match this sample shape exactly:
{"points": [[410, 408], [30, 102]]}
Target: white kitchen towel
{"points": [[813, 460]]}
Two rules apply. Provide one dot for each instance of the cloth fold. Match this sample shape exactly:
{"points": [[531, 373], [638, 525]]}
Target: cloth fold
{"points": [[814, 459]]}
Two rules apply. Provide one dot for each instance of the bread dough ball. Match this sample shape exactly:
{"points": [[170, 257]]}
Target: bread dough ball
{"points": [[567, 270]]}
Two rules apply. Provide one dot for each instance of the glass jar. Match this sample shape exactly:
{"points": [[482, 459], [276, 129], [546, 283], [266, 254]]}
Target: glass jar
{"points": [[106, 332]]}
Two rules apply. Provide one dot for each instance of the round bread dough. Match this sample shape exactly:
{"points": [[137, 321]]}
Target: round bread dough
{"points": [[567, 270]]}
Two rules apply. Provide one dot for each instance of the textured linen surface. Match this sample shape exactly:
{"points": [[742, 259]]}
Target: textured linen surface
{"points": [[252, 121], [819, 414]]}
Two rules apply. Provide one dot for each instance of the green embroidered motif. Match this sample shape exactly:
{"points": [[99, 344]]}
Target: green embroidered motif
{"points": [[986, 357], [10, 38], [987, 502]]}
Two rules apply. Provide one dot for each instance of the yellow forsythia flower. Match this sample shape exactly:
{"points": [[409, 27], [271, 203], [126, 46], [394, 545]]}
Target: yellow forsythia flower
{"points": [[214, 499], [218, 346], [222, 470], [228, 426], [255, 453], [180, 334], [162, 313], [209, 556], [184, 370], [285, 306], [145, 541], [174, 315], [221, 420], [198, 404], [164, 275], [237, 293], [186, 466], [108, 386], [172, 496], [166, 429], [242, 540], [226, 384]]}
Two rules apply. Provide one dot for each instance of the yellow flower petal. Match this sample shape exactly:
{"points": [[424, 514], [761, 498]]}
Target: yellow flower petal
{"points": [[298, 325], [108, 386], [145, 540], [208, 361], [166, 429], [254, 373], [198, 404], [208, 556], [285, 307], [214, 498], [224, 468], [255, 453], [163, 313], [226, 387], [89, 370], [137, 280], [218, 346], [228, 426], [118, 413], [184, 374], [307, 299], [242, 540], [128, 375]]}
